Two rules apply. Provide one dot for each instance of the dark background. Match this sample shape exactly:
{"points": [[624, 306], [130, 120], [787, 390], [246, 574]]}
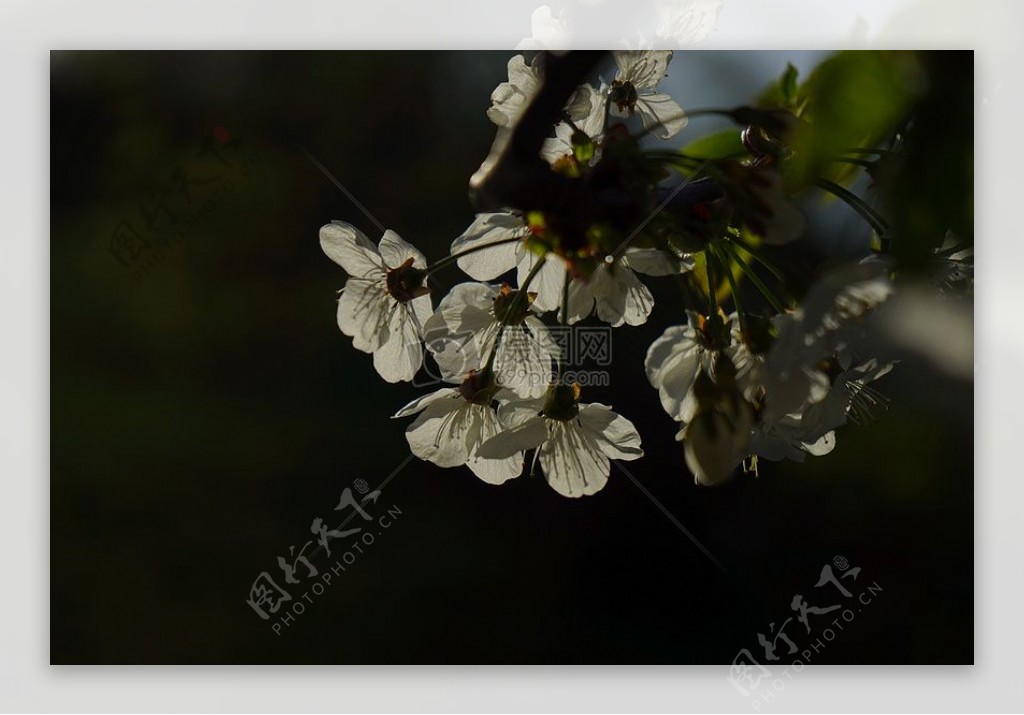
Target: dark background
{"points": [[205, 408]]}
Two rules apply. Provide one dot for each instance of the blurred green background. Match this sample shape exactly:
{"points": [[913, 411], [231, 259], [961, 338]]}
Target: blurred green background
{"points": [[205, 407]]}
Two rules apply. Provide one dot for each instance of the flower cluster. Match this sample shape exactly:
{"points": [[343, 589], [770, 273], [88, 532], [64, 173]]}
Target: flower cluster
{"points": [[748, 371]]}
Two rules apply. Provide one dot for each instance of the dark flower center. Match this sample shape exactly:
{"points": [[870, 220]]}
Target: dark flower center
{"points": [[624, 96], [405, 282], [713, 332], [562, 402], [479, 387]]}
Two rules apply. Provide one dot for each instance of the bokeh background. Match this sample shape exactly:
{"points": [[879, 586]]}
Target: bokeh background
{"points": [[205, 408]]}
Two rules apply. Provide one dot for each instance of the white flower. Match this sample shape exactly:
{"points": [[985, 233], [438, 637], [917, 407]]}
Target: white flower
{"points": [[589, 101], [493, 245], [509, 99], [831, 318], [453, 423], [574, 441], [686, 22], [497, 243], [615, 291], [716, 441], [385, 300], [683, 351], [547, 31], [680, 22], [849, 396], [839, 303], [508, 231], [462, 333], [790, 438], [633, 91], [811, 429]]}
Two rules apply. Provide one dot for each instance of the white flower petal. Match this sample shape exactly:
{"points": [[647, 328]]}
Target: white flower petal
{"points": [[832, 313], [656, 262], [770, 444], [399, 358], [558, 146], [542, 336], [573, 463], [395, 251], [621, 297], [714, 444], [349, 247], [528, 435], [492, 471], [581, 301], [825, 444], [672, 363], [510, 98], [444, 432], [586, 110], [420, 403], [614, 434], [364, 310], [421, 310], [489, 263], [748, 365], [675, 338], [547, 31], [515, 412], [645, 69], [662, 113], [793, 437], [523, 361], [548, 282], [685, 23], [464, 311], [459, 334]]}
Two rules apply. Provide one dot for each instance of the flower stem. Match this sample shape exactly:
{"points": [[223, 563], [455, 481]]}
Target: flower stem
{"points": [[723, 258], [712, 286], [565, 320], [565, 297], [521, 295], [687, 115], [864, 150], [856, 203], [863, 163], [754, 278], [758, 256]]}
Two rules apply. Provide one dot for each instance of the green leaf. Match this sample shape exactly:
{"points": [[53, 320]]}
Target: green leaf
{"points": [[853, 99], [782, 93], [726, 144]]}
